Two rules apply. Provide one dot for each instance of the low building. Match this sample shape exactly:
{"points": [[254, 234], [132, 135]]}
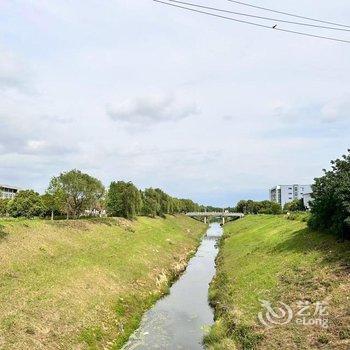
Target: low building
{"points": [[8, 192], [283, 194]]}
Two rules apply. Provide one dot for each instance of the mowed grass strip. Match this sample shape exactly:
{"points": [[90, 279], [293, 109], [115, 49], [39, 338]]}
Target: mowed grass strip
{"points": [[271, 258], [85, 284]]}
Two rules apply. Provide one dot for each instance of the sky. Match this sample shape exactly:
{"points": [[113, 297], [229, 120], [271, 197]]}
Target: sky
{"points": [[203, 108]]}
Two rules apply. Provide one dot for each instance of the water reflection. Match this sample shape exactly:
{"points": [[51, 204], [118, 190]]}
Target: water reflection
{"points": [[180, 320]]}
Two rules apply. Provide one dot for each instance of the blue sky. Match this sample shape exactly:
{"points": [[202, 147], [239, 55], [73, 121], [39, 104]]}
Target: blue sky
{"points": [[204, 108]]}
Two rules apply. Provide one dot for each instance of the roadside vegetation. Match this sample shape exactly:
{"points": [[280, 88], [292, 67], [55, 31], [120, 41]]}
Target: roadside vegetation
{"points": [[265, 257], [84, 284]]}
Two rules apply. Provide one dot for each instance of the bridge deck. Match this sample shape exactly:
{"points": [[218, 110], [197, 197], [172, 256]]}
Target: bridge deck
{"points": [[215, 214]]}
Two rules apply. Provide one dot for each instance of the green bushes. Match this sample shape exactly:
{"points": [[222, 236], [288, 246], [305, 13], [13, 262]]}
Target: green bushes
{"points": [[295, 205], [27, 204], [298, 216], [330, 207], [4, 206]]}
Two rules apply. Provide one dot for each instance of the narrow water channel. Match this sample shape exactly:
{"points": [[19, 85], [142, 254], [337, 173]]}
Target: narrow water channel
{"points": [[179, 320]]}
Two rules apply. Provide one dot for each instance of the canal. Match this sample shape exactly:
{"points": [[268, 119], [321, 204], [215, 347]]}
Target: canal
{"points": [[180, 320]]}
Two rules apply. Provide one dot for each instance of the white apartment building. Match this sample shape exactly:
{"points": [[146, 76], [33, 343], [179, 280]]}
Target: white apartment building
{"points": [[283, 194], [8, 192]]}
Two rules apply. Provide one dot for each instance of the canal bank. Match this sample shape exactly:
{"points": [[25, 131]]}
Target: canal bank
{"points": [[268, 258], [181, 319], [86, 283]]}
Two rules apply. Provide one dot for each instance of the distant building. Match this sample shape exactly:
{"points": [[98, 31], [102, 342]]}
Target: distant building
{"points": [[307, 199], [8, 192], [283, 194]]}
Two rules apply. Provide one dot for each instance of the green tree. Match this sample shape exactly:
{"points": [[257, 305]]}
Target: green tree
{"points": [[74, 192], [123, 199], [255, 207], [187, 205], [52, 205], [268, 207], [295, 205], [164, 201], [26, 204], [330, 206], [150, 206]]}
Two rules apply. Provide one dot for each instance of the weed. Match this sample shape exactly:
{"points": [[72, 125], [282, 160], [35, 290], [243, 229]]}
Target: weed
{"points": [[92, 336], [323, 339], [3, 233], [344, 334]]}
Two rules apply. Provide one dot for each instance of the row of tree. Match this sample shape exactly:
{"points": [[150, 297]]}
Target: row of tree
{"points": [[73, 194], [255, 207], [268, 207], [124, 199]]}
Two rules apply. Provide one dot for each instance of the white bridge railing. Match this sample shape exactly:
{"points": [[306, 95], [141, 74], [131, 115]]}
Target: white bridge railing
{"points": [[215, 214], [224, 216]]}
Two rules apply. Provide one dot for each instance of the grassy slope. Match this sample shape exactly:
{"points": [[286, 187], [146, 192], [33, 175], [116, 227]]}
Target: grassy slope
{"points": [[85, 284], [271, 258]]}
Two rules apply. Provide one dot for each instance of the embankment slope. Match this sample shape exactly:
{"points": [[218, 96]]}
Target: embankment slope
{"points": [[274, 259], [85, 284]]}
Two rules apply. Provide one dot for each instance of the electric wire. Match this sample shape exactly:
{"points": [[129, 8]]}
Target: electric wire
{"points": [[253, 23], [287, 13], [258, 17]]}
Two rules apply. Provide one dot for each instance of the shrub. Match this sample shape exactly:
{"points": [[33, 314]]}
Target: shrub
{"points": [[26, 204], [295, 205], [4, 206]]}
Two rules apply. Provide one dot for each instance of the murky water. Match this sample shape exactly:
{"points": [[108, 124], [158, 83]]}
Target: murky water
{"points": [[180, 320]]}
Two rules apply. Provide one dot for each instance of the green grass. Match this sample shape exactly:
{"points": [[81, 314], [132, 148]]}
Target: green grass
{"points": [[85, 284], [271, 258]]}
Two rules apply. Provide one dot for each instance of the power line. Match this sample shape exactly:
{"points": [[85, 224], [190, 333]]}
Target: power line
{"points": [[259, 17], [288, 14], [252, 23]]}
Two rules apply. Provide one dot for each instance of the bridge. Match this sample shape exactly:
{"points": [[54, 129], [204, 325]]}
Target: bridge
{"points": [[224, 216]]}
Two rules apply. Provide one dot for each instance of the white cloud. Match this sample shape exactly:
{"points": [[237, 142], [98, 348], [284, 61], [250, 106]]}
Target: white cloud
{"points": [[313, 112], [151, 109], [273, 107]]}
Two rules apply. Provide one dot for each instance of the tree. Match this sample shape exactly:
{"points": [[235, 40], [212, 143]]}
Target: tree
{"points": [[123, 199], [330, 205], [4, 202], [187, 205], [149, 206], [74, 192], [51, 204], [295, 205], [254, 207], [27, 204], [269, 207]]}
